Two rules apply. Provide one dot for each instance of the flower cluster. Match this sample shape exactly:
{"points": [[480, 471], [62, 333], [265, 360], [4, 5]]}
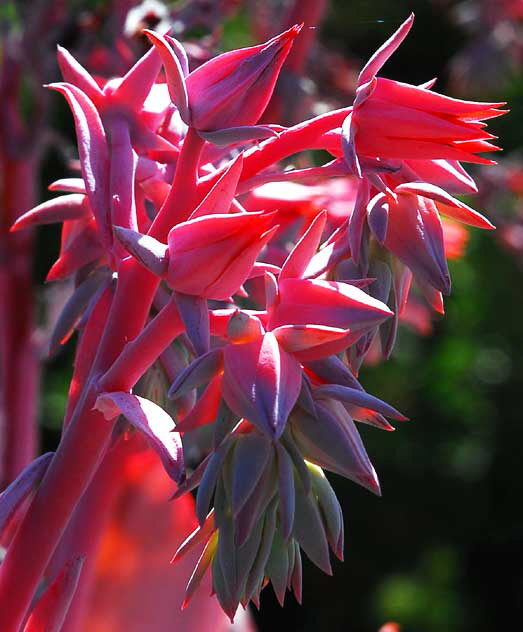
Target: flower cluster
{"points": [[262, 310]]}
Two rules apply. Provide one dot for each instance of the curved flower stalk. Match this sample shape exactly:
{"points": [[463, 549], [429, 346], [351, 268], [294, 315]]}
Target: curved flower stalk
{"points": [[259, 318]]}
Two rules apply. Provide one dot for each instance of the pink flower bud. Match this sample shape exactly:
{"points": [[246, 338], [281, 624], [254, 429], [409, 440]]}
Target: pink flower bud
{"points": [[233, 89], [211, 256]]}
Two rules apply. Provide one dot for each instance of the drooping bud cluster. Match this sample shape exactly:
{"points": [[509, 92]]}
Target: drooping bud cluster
{"points": [[262, 315]]}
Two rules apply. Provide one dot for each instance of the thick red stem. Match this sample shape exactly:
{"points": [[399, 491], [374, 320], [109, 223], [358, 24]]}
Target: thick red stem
{"points": [[86, 438], [140, 354]]}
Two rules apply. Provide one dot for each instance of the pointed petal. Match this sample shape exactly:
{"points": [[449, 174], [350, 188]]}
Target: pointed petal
{"points": [[256, 505], [452, 207], [257, 572], [201, 567], [329, 303], [200, 534], [277, 568], [378, 216], [75, 74], [335, 444], [330, 510], [83, 248], [208, 482], [173, 73], [298, 259], [348, 145], [297, 573], [68, 185], [309, 531], [179, 51], [333, 371], [220, 197], [378, 59], [137, 83], [357, 219], [294, 338]]}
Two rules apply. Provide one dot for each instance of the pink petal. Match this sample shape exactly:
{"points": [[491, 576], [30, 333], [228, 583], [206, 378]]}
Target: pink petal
{"points": [[373, 66], [220, 197], [447, 174], [301, 254], [75, 74], [300, 337], [306, 301], [453, 208], [135, 86], [173, 73]]}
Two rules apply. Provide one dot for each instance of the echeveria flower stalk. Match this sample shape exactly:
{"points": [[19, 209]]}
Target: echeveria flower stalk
{"points": [[259, 319]]}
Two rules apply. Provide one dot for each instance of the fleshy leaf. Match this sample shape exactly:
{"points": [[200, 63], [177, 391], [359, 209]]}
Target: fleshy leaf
{"points": [[197, 373], [51, 609], [14, 495], [358, 398], [94, 154], [251, 455], [152, 421], [261, 383], [195, 316], [149, 251], [60, 209]]}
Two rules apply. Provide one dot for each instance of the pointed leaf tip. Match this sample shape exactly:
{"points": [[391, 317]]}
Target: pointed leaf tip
{"points": [[152, 421], [149, 251]]}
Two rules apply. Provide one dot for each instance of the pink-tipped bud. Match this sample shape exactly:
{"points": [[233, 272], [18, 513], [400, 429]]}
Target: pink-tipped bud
{"points": [[212, 256], [233, 89]]}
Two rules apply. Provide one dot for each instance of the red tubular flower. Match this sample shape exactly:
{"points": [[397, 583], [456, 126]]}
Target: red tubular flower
{"points": [[233, 89], [391, 119]]}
